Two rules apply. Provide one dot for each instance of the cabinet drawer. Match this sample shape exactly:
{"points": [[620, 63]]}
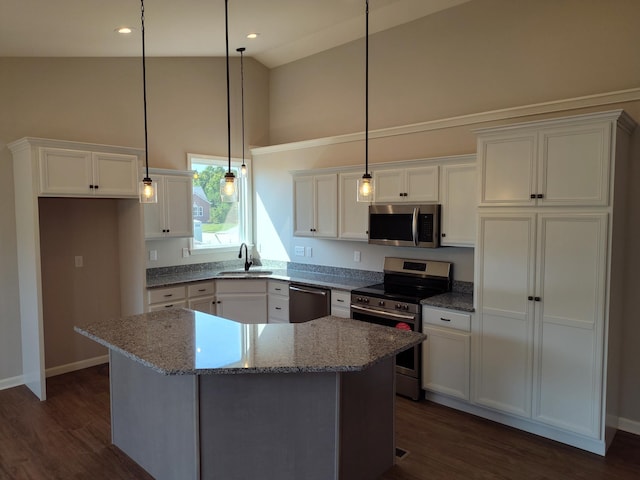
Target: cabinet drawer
{"points": [[164, 306], [200, 289], [166, 295], [446, 318], [241, 286], [278, 288], [340, 298], [279, 308]]}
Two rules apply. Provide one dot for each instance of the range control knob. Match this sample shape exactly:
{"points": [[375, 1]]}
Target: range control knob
{"points": [[381, 303]]}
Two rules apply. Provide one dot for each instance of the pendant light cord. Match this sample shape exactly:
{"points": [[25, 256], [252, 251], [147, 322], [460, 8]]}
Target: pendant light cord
{"points": [[144, 95], [241, 50], [226, 29], [366, 94]]}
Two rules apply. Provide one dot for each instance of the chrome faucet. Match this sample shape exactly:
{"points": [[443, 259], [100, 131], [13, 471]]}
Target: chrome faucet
{"points": [[247, 263]]}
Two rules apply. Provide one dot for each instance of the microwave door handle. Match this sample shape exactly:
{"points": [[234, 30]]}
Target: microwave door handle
{"points": [[414, 225]]}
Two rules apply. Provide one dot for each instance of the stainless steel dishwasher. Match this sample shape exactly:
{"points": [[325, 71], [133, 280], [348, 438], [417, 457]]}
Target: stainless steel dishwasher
{"points": [[307, 303]]}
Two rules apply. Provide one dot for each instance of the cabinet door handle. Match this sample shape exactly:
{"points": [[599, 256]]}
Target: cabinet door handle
{"points": [[537, 299], [277, 289], [444, 235], [96, 186], [168, 306], [167, 295], [540, 195], [202, 289], [445, 319], [533, 195], [278, 308], [529, 297], [90, 186], [339, 300]]}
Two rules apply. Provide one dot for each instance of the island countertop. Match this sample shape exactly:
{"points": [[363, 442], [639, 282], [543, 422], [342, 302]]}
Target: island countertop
{"points": [[184, 342]]}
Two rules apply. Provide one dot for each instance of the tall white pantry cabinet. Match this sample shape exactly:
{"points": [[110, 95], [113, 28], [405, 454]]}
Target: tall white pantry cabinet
{"points": [[548, 275]]}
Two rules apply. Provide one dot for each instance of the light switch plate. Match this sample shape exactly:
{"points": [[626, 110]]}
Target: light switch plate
{"points": [[79, 261], [185, 252], [299, 251], [356, 256], [309, 252], [153, 255]]}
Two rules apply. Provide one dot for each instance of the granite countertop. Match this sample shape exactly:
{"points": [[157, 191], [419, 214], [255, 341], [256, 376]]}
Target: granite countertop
{"points": [[309, 278], [183, 342], [452, 300]]}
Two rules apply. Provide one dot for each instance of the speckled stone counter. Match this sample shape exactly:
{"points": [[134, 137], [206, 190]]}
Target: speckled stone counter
{"points": [[318, 403], [451, 300], [183, 342]]}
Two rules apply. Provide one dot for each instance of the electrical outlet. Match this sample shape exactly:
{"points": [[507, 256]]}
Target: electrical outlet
{"points": [[299, 251], [79, 261], [153, 255], [356, 256], [309, 252]]}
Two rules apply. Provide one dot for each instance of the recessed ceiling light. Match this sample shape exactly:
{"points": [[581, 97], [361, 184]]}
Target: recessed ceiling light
{"points": [[124, 30], [252, 35]]}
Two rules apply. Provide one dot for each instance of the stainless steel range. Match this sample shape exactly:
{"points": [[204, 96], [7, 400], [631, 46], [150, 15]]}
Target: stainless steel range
{"points": [[396, 303]]}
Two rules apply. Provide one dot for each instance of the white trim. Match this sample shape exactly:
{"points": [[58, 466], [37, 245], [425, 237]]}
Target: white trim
{"points": [[11, 382], [575, 103], [630, 426], [72, 367]]}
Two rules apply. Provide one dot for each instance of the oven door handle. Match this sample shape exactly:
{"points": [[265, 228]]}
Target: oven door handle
{"points": [[387, 315]]}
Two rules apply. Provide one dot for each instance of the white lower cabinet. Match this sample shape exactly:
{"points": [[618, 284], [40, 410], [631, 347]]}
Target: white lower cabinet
{"points": [[341, 303], [541, 314], [242, 300], [202, 297], [168, 297], [446, 353], [278, 302]]}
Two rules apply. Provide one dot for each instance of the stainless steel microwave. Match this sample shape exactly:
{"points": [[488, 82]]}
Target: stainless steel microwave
{"points": [[405, 225]]}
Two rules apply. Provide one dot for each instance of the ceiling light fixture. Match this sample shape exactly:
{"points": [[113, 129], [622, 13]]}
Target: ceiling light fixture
{"points": [[365, 185], [243, 168], [147, 188], [252, 35], [228, 190], [124, 30]]}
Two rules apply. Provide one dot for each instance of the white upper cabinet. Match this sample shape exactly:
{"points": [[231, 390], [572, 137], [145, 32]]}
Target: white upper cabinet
{"points": [[68, 172], [315, 205], [459, 199], [353, 216], [412, 184], [172, 216], [559, 163]]}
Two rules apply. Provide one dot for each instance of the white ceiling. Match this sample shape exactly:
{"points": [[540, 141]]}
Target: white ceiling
{"points": [[289, 29]]}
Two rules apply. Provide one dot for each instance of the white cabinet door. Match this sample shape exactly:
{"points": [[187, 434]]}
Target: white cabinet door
{"points": [[504, 328], [303, 206], [570, 320], [245, 308], [172, 216], [203, 304], [574, 168], [115, 175], [414, 184], [65, 172], [315, 205], [341, 303], [446, 361], [353, 215], [326, 205], [458, 205], [507, 165]]}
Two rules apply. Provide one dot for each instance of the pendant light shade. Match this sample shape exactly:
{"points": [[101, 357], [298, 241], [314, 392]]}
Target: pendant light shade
{"points": [[365, 184], [147, 188], [243, 168], [228, 190]]}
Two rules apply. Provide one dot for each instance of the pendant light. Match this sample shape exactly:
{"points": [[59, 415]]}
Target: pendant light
{"points": [[147, 188], [365, 185], [228, 190], [243, 168]]}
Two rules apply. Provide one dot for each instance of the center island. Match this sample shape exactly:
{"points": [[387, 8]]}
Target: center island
{"points": [[199, 396]]}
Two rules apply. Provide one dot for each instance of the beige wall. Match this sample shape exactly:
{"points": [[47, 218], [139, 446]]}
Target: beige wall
{"points": [[99, 100], [481, 56]]}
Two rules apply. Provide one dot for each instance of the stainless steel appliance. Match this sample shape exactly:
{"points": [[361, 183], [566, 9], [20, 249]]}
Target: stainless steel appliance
{"points": [[308, 303], [396, 303], [405, 225]]}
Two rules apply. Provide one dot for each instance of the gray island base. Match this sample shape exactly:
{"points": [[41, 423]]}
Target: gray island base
{"points": [[198, 396]]}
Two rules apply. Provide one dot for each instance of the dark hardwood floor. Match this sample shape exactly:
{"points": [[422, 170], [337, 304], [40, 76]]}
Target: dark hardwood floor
{"points": [[68, 437]]}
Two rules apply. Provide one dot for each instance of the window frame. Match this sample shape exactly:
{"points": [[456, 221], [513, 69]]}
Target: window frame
{"points": [[245, 199]]}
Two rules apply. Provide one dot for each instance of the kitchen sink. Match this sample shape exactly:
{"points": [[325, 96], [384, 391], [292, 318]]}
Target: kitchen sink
{"points": [[242, 273]]}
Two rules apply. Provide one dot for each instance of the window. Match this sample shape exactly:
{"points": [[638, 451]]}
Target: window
{"points": [[217, 224]]}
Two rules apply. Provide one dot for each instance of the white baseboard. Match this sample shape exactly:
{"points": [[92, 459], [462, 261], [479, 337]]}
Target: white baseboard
{"points": [[630, 426], [72, 367], [11, 382]]}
